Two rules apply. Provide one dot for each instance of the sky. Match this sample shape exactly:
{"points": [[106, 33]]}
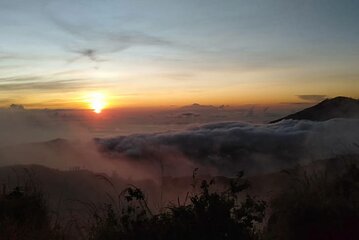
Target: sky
{"points": [[152, 53]]}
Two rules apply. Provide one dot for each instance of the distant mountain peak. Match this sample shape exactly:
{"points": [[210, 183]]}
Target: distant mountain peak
{"points": [[338, 107], [197, 106]]}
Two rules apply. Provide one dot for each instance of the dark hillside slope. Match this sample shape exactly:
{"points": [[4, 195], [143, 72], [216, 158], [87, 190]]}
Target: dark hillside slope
{"points": [[339, 107]]}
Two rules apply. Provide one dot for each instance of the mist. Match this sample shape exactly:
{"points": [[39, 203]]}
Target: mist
{"points": [[232, 146], [172, 142]]}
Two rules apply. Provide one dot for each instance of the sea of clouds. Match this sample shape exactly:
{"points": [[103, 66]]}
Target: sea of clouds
{"points": [[224, 148], [221, 148]]}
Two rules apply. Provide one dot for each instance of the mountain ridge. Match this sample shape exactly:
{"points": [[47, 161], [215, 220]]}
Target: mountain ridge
{"points": [[338, 107]]}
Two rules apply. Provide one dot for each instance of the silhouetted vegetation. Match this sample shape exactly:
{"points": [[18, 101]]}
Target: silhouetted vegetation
{"points": [[317, 206], [24, 215], [207, 215]]}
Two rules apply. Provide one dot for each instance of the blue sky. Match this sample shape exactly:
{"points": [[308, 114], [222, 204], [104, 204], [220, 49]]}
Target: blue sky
{"points": [[55, 53]]}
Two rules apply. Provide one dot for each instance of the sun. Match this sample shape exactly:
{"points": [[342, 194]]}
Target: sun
{"points": [[97, 102]]}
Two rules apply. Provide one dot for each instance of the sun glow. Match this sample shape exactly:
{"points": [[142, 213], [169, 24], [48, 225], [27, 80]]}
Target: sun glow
{"points": [[97, 102]]}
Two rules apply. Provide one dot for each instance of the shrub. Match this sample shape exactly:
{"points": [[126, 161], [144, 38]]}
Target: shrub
{"points": [[207, 215], [24, 214], [317, 206]]}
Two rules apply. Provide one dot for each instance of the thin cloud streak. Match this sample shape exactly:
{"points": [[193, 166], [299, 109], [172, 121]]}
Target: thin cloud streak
{"points": [[51, 85], [312, 98], [103, 42]]}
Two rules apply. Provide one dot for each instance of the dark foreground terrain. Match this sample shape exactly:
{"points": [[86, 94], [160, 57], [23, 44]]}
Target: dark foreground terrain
{"points": [[317, 201]]}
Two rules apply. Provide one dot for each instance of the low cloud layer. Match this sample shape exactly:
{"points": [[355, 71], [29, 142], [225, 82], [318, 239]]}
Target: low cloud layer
{"points": [[312, 98], [228, 147], [18, 126], [218, 148]]}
